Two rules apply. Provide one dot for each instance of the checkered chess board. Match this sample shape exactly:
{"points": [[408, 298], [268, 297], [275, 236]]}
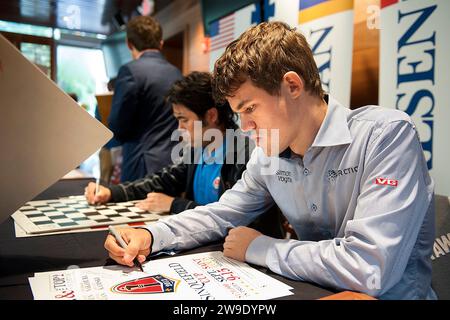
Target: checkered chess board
{"points": [[75, 213]]}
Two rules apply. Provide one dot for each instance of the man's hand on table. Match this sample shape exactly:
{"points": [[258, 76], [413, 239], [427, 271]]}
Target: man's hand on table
{"points": [[237, 242]]}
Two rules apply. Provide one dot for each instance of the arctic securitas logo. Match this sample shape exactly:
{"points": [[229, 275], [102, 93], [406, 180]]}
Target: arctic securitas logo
{"points": [[333, 174]]}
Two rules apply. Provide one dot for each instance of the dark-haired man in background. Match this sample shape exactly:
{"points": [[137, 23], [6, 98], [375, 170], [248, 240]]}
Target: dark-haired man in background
{"points": [[140, 118], [201, 181]]}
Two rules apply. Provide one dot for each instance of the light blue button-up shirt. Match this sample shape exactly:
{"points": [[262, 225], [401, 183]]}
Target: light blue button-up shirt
{"points": [[360, 200]]}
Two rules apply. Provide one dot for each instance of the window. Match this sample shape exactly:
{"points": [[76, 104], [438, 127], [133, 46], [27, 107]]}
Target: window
{"points": [[29, 29], [81, 71], [39, 54]]}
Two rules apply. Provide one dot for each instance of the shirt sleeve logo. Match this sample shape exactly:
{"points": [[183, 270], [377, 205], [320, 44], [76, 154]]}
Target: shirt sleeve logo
{"points": [[386, 182]]}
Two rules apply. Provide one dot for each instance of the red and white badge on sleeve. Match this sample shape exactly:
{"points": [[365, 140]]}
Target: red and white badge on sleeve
{"points": [[386, 182]]}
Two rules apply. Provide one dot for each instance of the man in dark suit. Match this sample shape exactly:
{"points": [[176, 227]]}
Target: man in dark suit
{"points": [[140, 118]]}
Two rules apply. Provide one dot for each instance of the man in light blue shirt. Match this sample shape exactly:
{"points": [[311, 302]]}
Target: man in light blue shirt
{"points": [[353, 184]]}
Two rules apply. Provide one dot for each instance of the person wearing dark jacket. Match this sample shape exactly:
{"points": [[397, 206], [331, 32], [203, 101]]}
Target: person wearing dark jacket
{"points": [[193, 181], [140, 117]]}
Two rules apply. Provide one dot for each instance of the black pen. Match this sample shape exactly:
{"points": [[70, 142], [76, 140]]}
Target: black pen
{"points": [[122, 243]]}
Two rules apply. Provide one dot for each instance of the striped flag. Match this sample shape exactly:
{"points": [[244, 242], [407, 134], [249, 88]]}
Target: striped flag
{"points": [[222, 32], [315, 9]]}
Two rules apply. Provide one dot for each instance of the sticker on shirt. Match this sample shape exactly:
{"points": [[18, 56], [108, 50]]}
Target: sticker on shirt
{"points": [[216, 183], [386, 182]]}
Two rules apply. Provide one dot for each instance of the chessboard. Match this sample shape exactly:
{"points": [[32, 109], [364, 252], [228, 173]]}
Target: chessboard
{"points": [[75, 213]]}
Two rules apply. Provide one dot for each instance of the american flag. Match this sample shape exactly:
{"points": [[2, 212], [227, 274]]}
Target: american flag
{"points": [[222, 32]]}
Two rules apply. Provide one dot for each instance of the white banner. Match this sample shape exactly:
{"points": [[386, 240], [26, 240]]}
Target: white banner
{"points": [[282, 10], [328, 28], [415, 75], [225, 30]]}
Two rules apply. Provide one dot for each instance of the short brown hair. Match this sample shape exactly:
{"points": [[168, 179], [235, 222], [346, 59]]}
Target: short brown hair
{"points": [[263, 54], [144, 33]]}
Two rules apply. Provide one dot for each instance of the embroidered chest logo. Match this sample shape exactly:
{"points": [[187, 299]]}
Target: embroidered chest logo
{"points": [[284, 176], [332, 175], [386, 182]]}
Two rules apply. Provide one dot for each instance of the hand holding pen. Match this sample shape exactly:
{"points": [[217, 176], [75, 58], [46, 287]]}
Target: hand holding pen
{"points": [[97, 194], [128, 246]]}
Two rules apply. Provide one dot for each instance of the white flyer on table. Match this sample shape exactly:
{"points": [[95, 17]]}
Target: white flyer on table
{"points": [[203, 276]]}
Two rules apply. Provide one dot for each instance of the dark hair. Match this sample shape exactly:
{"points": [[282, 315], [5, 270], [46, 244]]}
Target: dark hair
{"points": [[111, 84], [263, 54], [195, 93], [144, 32]]}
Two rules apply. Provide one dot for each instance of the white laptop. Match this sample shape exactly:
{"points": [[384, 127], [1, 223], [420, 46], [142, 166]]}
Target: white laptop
{"points": [[44, 133]]}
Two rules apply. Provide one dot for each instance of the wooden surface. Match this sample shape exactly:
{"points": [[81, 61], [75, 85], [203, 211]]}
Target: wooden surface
{"points": [[366, 52], [364, 78]]}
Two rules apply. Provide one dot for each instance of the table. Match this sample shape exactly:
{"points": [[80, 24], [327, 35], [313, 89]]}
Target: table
{"points": [[20, 258]]}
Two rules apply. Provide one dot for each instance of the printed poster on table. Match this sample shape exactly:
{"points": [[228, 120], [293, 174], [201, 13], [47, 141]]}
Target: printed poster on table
{"points": [[203, 276]]}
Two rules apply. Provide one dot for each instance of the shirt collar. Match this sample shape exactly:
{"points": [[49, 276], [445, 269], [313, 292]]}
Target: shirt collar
{"points": [[216, 153], [334, 130], [153, 53], [203, 155]]}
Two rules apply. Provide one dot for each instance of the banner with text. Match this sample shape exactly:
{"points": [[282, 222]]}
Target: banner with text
{"points": [[415, 74], [328, 27], [282, 10]]}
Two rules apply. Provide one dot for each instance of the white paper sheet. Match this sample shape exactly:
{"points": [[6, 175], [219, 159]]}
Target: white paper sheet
{"points": [[203, 276]]}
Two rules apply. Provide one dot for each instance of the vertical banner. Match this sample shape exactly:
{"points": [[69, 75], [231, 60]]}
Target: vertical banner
{"points": [[282, 10], [225, 30], [328, 27], [415, 75]]}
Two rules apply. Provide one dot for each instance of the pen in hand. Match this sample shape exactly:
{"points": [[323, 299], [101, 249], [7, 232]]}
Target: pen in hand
{"points": [[97, 186], [122, 243]]}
